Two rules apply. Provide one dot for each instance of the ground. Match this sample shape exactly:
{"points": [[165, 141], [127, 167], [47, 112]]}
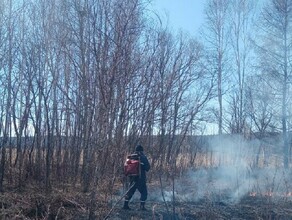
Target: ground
{"points": [[251, 207], [60, 204]]}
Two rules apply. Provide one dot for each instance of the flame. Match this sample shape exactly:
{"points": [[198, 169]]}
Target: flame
{"points": [[270, 194], [253, 194]]}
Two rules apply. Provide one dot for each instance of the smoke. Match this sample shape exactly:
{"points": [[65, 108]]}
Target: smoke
{"points": [[232, 174]]}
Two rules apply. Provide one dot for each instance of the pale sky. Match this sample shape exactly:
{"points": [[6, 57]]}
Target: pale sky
{"points": [[182, 14]]}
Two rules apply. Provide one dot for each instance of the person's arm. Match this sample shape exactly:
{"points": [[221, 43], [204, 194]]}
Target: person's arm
{"points": [[145, 163]]}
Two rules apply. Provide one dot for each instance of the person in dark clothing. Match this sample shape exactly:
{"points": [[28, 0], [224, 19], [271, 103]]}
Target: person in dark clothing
{"points": [[138, 182]]}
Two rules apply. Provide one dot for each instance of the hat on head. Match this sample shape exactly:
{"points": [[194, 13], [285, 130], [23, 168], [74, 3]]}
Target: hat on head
{"points": [[139, 148]]}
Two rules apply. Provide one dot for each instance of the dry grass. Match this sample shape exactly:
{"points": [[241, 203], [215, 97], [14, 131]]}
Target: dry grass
{"points": [[67, 202]]}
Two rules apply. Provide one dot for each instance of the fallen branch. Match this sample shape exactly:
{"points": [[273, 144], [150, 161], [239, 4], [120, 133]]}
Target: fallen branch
{"points": [[106, 217], [76, 204]]}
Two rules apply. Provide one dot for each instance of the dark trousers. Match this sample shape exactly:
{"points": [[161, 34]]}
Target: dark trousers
{"points": [[140, 184]]}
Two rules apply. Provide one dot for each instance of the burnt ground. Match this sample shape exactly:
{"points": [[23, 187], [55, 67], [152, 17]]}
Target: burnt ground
{"points": [[61, 204], [250, 207]]}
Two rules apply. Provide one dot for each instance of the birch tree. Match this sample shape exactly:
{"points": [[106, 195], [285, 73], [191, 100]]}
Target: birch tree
{"points": [[275, 56], [216, 40], [241, 28]]}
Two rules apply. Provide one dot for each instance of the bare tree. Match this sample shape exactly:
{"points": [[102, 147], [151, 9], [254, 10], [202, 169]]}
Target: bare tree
{"points": [[241, 27], [216, 37], [275, 52], [262, 111], [8, 31]]}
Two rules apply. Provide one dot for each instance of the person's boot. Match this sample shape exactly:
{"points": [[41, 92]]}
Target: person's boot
{"points": [[126, 205], [142, 206]]}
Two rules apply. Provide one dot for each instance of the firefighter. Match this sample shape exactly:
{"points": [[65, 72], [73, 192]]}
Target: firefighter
{"points": [[138, 182]]}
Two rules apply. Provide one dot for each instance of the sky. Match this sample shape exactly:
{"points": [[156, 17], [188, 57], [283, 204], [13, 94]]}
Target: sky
{"points": [[187, 15]]}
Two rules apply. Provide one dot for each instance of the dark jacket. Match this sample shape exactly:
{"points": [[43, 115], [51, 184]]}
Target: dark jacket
{"points": [[145, 165]]}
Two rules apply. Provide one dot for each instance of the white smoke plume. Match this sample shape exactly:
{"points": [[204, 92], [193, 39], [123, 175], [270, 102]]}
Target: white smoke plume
{"points": [[233, 175]]}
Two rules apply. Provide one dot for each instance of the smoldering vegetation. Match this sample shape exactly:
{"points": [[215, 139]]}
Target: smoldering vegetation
{"points": [[83, 82], [234, 177], [233, 168]]}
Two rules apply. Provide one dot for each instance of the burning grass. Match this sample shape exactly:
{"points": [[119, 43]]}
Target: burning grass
{"points": [[193, 199], [218, 193], [247, 208], [222, 185]]}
